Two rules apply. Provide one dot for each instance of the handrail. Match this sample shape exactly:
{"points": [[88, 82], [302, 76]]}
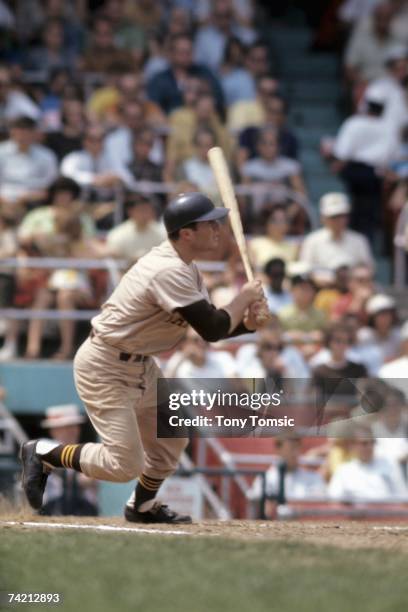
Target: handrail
{"points": [[24, 314], [63, 262], [82, 263], [400, 246], [218, 507]]}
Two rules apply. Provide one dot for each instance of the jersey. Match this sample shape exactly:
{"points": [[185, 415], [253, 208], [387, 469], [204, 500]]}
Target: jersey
{"points": [[140, 316]]}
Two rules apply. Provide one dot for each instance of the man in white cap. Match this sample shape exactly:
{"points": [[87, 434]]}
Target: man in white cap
{"points": [[395, 372], [68, 493], [334, 242]]}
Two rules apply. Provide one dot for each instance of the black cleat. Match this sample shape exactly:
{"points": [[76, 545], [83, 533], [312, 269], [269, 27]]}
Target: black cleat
{"points": [[159, 513], [34, 477]]}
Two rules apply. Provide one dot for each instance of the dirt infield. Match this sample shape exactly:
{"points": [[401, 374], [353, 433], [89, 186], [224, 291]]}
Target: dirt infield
{"points": [[346, 535]]}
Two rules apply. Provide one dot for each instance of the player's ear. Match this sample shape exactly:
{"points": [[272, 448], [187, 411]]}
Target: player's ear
{"points": [[187, 233]]}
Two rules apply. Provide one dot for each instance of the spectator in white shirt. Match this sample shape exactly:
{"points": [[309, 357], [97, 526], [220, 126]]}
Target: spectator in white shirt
{"points": [[363, 149], [119, 142], [352, 11], [211, 39], [91, 167], [391, 88], [363, 137], [396, 371], [287, 480], [367, 478], [197, 360], [334, 243], [14, 103], [391, 428], [270, 357], [26, 168], [136, 236], [383, 332], [368, 45]]}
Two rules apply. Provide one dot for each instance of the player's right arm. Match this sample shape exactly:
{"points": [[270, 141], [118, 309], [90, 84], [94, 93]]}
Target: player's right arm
{"points": [[214, 324]]}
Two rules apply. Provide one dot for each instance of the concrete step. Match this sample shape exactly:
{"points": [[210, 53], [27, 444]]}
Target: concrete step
{"points": [[290, 39], [302, 91], [383, 275], [310, 157], [319, 116], [310, 137], [296, 66], [319, 185]]}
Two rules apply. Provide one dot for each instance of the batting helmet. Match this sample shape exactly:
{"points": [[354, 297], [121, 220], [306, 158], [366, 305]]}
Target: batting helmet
{"points": [[189, 208]]}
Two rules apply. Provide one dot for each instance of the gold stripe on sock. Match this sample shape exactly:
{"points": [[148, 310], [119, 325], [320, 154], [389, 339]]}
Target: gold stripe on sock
{"points": [[147, 485], [63, 455], [70, 456], [67, 455], [152, 481]]}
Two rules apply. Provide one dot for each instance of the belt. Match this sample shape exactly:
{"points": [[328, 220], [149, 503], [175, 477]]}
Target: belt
{"points": [[133, 357]]}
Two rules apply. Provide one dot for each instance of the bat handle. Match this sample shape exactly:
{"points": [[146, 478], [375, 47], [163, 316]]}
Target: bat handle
{"points": [[248, 271]]}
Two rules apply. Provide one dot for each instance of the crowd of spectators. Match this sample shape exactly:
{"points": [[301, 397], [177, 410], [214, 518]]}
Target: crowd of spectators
{"points": [[108, 109], [369, 150]]}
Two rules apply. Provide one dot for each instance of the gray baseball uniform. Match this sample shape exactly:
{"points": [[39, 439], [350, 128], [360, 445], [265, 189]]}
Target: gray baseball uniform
{"points": [[116, 376]]}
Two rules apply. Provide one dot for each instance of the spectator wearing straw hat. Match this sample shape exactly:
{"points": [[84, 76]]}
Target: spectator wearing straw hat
{"points": [[68, 493], [334, 242]]}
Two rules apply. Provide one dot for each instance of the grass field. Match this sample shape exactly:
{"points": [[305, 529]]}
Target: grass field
{"points": [[153, 573]]}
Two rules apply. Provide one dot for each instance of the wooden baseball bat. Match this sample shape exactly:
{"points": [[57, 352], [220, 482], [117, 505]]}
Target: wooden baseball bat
{"points": [[219, 166]]}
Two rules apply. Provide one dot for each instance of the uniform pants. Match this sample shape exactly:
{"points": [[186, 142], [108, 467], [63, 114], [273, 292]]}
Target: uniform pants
{"points": [[120, 399]]}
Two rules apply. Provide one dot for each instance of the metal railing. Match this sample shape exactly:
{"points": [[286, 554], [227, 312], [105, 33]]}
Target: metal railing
{"points": [[113, 266]]}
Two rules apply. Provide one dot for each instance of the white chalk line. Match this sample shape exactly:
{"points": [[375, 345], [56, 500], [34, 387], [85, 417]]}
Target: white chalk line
{"points": [[38, 525], [390, 528]]}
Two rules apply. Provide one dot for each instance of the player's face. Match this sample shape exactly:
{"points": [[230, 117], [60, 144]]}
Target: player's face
{"points": [[207, 236]]}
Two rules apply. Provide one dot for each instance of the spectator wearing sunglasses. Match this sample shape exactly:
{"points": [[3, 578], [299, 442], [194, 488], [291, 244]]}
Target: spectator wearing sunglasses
{"points": [[270, 357], [367, 478]]}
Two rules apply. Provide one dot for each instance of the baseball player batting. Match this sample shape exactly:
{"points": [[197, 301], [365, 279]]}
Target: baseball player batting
{"points": [[115, 374]]}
